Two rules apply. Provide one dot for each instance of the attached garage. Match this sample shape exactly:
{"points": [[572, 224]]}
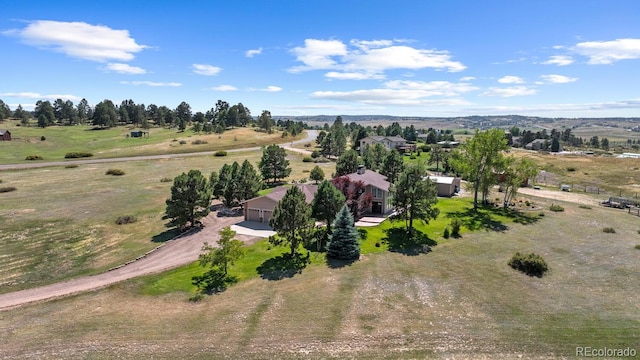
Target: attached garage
{"points": [[260, 209]]}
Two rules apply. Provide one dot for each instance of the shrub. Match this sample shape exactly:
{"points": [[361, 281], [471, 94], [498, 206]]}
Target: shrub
{"points": [[7, 189], [196, 297], [446, 233], [126, 219], [425, 148], [556, 208], [166, 179], [75, 155], [541, 214], [199, 142], [115, 172], [412, 157], [584, 206], [43, 138], [609, 230], [571, 169], [2, 180], [456, 224], [321, 159], [220, 153], [71, 166], [307, 159], [638, 246], [182, 142], [33, 157], [530, 264], [315, 154]]}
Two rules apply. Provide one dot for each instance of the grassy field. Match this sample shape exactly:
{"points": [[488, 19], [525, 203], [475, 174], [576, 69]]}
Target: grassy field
{"points": [[114, 142], [459, 301], [60, 222]]}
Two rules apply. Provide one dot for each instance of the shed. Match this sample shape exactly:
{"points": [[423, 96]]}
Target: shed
{"points": [[5, 135], [139, 133], [446, 185]]}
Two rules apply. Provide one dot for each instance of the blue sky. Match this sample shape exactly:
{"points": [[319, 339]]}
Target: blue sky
{"points": [[294, 57]]}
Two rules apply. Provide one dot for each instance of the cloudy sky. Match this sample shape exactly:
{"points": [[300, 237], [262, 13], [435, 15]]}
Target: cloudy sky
{"points": [[293, 57]]}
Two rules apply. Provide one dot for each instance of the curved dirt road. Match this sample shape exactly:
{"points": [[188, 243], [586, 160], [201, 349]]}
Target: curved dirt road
{"points": [[174, 253], [177, 252]]}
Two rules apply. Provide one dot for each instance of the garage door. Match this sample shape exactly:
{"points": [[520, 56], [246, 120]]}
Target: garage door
{"points": [[253, 215], [266, 214]]}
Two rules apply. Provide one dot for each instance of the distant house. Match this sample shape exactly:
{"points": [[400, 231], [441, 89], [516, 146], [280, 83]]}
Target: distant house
{"points": [[376, 185], [390, 142], [5, 135], [261, 208], [139, 133], [447, 185]]}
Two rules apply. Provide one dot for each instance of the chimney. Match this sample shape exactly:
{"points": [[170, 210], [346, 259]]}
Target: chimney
{"points": [[361, 169]]}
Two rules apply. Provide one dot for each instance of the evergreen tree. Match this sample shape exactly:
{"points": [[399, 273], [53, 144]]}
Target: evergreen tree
{"points": [[190, 199], [343, 243], [274, 164], [316, 174], [347, 163], [249, 182], [291, 220]]}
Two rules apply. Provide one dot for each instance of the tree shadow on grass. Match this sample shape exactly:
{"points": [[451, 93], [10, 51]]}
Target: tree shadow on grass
{"points": [[338, 263], [283, 266], [410, 244], [484, 218], [479, 219]]}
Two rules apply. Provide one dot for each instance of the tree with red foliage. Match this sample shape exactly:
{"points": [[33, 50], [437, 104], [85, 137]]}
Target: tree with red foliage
{"points": [[354, 191]]}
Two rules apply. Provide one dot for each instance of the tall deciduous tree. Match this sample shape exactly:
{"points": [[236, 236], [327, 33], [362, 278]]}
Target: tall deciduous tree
{"points": [[516, 173], [274, 164], [218, 260], [316, 174], [190, 199], [327, 202], [392, 165], [292, 220], [476, 163], [347, 163], [414, 196], [344, 241]]}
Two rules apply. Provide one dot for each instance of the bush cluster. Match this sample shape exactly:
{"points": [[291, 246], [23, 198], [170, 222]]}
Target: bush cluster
{"points": [[456, 224], [126, 219], [33, 157], [166, 179], [530, 264], [199, 142], [556, 208], [71, 166], [609, 230], [7, 189], [115, 172], [75, 155], [307, 159], [43, 138], [220, 153]]}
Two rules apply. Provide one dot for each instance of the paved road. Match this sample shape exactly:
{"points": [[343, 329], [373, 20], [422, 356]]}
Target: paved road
{"points": [[174, 253]]}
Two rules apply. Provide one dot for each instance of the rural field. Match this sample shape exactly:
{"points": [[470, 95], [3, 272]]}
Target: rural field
{"points": [[461, 300], [60, 222], [115, 142]]}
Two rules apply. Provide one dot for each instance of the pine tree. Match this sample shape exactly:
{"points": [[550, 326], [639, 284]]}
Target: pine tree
{"points": [[344, 243]]}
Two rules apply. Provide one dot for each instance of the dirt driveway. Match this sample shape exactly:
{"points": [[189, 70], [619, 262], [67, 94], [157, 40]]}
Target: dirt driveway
{"points": [[173, 253]]}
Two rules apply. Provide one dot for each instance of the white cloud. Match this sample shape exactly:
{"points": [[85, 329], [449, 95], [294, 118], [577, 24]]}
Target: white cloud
{"points": [[368, 57], [353, 76], [125, 69], [151, 83], [403, 92], [252, 53], [206, 70], [317, 54], [467, 78], [557, 79], [607, 52], [509, 91], [511, 80], [79, 40], [38, 96], [224, 88], [271, 88], [560, 60]]}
